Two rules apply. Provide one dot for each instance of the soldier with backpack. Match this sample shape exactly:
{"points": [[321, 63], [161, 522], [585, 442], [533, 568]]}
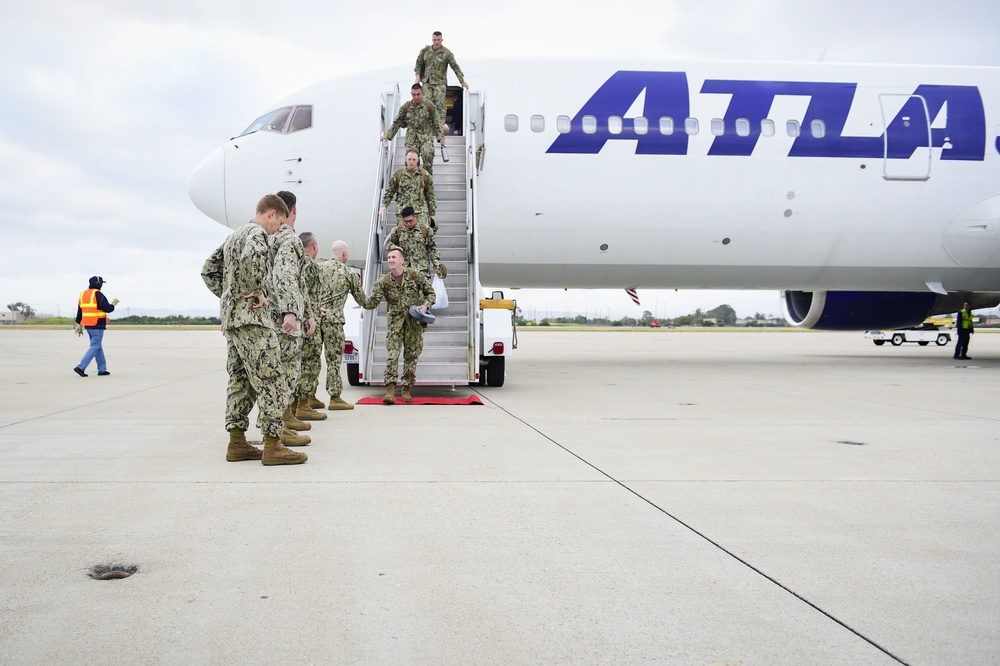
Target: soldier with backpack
{"points": [[412, 187], [423, 125], [417, 241]]}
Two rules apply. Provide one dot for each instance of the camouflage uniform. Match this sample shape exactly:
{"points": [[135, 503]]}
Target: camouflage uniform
{"points": [[422, 125], [336, 281], [289, 289], [432, 66], [402, 330], [418, 244], [312, 345], [242, 266], [412, 188]]}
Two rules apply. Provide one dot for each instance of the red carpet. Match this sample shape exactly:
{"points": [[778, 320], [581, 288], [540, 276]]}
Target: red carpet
{"points": [[470, 400]]}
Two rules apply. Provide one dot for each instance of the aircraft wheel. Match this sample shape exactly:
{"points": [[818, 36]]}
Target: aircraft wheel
{"points": [[897, 339], [495, 376], [879, 343], [353, 374], [942, 340]]}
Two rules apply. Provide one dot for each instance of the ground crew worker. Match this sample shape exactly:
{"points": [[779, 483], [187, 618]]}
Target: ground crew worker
{"points": [[965, 329], [239, 273], [290, 315], [417, 241], [92, 314], [312, 345], [412, 186], [423, 125], [337, 280], [400, 288], [432, 71]]}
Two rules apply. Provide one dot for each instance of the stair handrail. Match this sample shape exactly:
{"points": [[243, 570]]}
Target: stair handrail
{"points": [[473, 138], [373, 258]]}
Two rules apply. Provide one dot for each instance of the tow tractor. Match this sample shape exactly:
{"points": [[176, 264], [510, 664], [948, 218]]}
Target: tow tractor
{"points": [[923, 335]]}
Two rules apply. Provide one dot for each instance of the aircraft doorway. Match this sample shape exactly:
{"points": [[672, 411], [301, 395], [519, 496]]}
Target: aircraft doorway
{"points": [[907, 137], [453, 111]]}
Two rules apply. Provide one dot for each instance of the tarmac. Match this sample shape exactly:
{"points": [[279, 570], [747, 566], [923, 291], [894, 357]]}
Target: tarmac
{"points": [[627, 497]]}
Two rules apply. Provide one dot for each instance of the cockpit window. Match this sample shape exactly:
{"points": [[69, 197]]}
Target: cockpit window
{"points": [[301, 119], [278, 120]]}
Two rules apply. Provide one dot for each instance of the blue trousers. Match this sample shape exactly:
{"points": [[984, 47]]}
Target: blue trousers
{"points": [[95, 350]]}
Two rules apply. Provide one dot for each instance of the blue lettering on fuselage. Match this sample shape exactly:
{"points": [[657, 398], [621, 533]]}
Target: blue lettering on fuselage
{"points": [[667, 95]]}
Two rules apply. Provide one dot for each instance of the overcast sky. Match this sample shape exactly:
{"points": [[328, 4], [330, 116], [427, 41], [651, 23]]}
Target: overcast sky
{"points": [[108, 105]]}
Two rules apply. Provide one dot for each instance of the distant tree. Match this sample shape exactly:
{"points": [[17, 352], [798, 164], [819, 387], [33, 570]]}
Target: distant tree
{"points": [[646, 318], [725, 313], [26, 310]]}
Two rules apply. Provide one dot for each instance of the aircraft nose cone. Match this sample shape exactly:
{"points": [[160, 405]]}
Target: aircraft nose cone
{"points": [[207, 186]]}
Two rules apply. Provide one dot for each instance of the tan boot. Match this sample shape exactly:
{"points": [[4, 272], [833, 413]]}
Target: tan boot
{"points": [[239, 449], [291, 422], [390, 394], [276, 454], [406, 394], [291, 437], [336, 402], [315, 402], [304, 412]]}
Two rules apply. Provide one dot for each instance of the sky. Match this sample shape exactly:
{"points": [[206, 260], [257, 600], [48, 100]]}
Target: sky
{"points": [[108, 105]]}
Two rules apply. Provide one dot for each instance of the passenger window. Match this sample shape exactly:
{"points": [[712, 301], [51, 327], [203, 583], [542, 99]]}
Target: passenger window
{"points": [[537, 123], [666, 125], [564, 124], [742, 127], [301, 119], [718, 127], [277, 122], [818, 128], [510, 122], [792, 127], [767, 127], [641, 125], [691, 125], [589, 124], [615, 124]]}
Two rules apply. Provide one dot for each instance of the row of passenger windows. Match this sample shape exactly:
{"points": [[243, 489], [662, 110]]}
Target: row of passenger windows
{"points": [[666, 126]]}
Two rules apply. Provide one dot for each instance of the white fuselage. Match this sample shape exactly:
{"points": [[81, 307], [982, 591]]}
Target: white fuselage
{"points": [[726, 206]]}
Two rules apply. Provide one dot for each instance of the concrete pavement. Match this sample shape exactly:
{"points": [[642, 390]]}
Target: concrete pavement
{"points": [[627, 497]]}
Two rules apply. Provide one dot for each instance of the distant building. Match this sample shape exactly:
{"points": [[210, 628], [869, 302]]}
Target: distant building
{"points": [[10, 318]]}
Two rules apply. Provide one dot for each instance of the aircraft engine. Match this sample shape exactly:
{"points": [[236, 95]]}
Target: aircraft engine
{"points": [[873, 310]]}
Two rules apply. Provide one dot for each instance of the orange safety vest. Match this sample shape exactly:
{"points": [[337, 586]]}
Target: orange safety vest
{"points": [[88, 306]]}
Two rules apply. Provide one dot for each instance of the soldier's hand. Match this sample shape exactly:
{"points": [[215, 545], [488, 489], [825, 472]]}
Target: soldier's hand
{"points": [[288, 324], [423, 308], [310, 326], [441, 141], [322, 312], [465, 85], [78, 329], [114, 302], [383, 138], [259, 300], [382, 210]]}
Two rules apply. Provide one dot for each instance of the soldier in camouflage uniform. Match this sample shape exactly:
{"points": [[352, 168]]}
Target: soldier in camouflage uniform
{"points": [[412, 187], [417, 241], [401, 287], [290, 315], [432, 71], [312, 345], [336, 281], [239, 273], [423, 125]]}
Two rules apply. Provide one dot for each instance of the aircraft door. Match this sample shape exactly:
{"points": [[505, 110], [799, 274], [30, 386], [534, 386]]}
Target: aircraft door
{"points": [[907, 137]]}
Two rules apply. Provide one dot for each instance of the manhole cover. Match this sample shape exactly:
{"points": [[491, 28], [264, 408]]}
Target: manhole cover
{"points": [[112, 571]]}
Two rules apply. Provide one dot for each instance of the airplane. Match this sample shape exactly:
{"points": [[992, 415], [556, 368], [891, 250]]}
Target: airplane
{"points": [[868, 194]]}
